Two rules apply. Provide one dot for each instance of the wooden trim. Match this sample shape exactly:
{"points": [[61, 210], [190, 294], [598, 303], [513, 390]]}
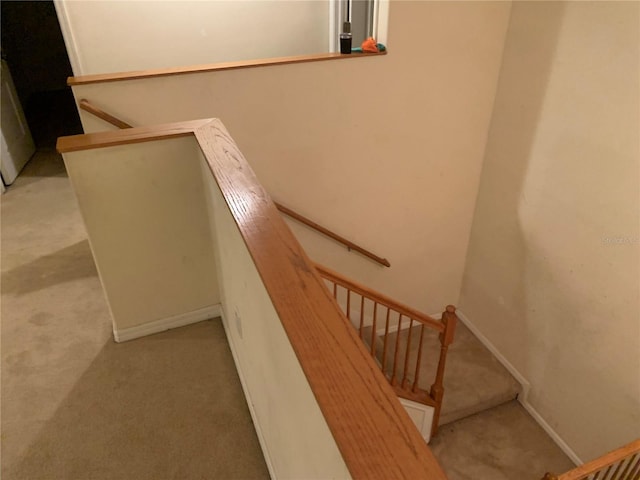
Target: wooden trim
{"points": [[593, 466], [348, 243], [212, 67], [85, 105], [90, 141], [373, 432], [418, 396], [360, 289]]}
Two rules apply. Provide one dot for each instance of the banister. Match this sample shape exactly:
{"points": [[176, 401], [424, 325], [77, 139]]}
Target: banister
{"points": [[446, 329], [614, 461], [372, 431], [325, 231], [368, 292], [87, 106]]}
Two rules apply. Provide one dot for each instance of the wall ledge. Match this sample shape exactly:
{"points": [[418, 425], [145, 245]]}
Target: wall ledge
{"points": [[212, 67]]}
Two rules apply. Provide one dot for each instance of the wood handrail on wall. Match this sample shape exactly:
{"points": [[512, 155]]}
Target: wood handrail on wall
{"points": [[404, 374], [213, 67], [620, 464], [374, 434], [87, 106], [338, 238]]}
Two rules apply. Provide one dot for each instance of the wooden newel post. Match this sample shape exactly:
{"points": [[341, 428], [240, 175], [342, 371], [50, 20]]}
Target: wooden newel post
{"points": [[450, 320]]}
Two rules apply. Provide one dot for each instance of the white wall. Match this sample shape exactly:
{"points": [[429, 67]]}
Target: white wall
{"points": [[144, 209], [552, 275], [294, 435], [384, 150], [111, 36]]}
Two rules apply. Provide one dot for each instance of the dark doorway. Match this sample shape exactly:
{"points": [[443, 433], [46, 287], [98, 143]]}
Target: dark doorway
{"points": [[34, 49]]}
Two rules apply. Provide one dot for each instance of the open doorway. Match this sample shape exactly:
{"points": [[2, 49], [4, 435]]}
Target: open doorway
{"points": [[34, 50]]}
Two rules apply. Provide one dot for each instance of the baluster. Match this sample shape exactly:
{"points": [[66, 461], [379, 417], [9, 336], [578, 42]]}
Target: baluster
{"points": [[395, 356], [348, 303], [361, 316], [418, 361], [407, 352], [449, 319], [628, 468], [373, 330], [335, 290], [616, 475], [384, 346], [635, 473], [606, 474]]}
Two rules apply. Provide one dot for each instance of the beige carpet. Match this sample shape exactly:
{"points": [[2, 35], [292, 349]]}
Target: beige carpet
{"points": [[503, 443], [474, 379], [76, 405]]}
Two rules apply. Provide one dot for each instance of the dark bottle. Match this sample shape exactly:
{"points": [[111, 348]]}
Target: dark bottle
{"points": [[345, 38]]}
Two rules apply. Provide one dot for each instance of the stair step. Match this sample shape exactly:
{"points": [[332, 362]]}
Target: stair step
{"points": [[503, 443], [474, 379]]}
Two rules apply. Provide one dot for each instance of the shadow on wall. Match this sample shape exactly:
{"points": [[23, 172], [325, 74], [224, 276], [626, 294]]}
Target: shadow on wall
{"points": [[498, 245], [538, 281]]}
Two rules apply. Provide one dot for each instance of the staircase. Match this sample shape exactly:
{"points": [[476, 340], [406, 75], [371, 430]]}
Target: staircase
{"points": [[484, 433], [487, 434], [474, 379]]}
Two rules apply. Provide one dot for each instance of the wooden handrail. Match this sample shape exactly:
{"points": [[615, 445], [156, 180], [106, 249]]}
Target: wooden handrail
{"points": [[374, 434], [212, 67], [88, 107], [347, 243], [620, 464], [380, 297], [89, 141]]}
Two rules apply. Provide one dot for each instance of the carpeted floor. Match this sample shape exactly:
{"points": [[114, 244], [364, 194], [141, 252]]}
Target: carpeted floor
{"points": [[76, 405], [502, 443]]}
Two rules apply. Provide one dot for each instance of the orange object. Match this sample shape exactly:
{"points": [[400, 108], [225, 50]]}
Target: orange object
{"points": [[370, 45]]}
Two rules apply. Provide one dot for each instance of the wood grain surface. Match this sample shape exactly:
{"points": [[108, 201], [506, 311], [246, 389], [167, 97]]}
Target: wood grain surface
{"points": [[212, 67]]}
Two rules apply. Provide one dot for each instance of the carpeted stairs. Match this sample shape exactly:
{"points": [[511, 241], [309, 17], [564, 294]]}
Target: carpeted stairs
{"points": [[485, 434], [474, 379]]}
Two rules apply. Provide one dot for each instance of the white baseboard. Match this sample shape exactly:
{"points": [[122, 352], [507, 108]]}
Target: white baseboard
{"points": [[523, 398], [501, 358], [247, 395], [168, 323], [552, 433]]}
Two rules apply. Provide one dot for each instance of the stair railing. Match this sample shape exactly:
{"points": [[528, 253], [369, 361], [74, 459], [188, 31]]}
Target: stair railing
{"points": [[325, 231], [101, 114], [401, 370], [87, 106], [620, 464]]}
